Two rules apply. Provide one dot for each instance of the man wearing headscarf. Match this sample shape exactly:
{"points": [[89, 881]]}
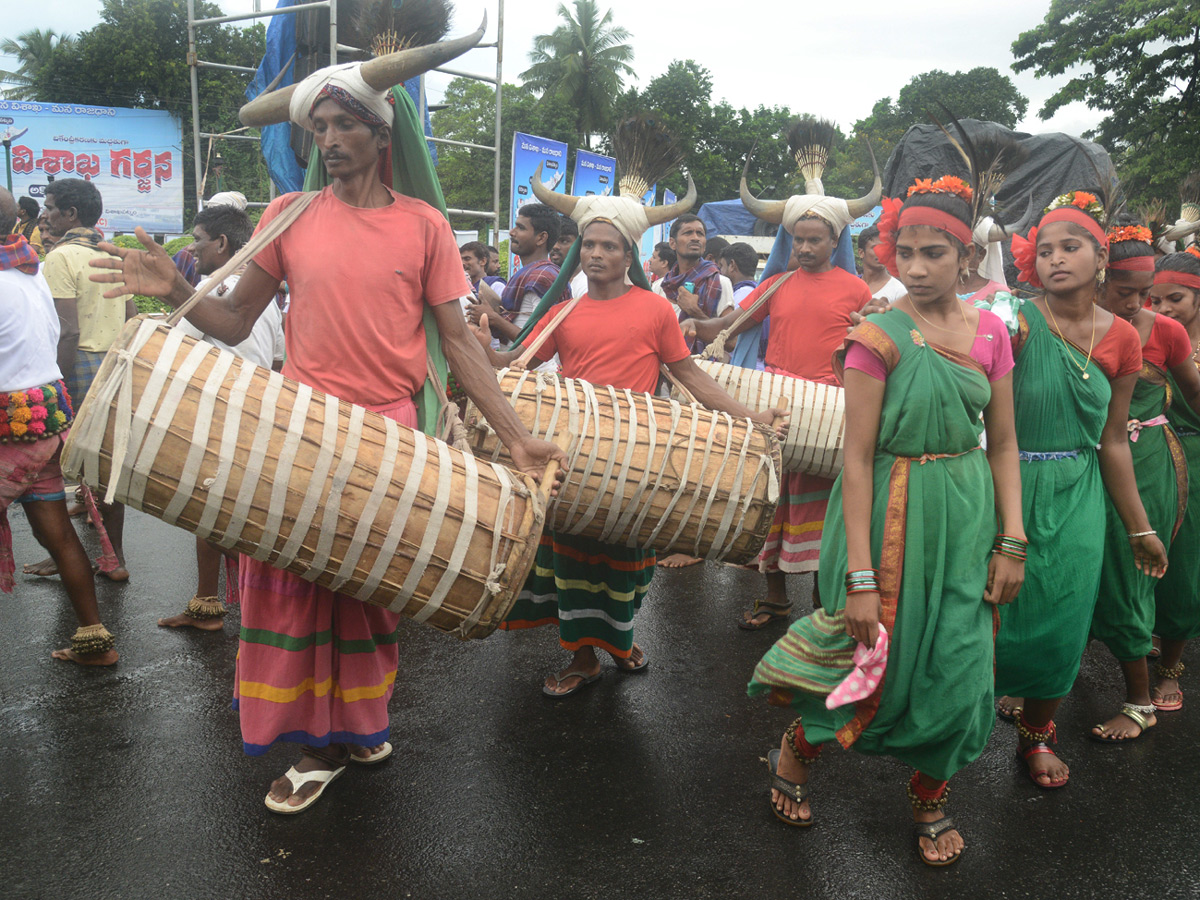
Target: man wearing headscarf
{"points": [[617, 333], [810, 316], [365, 265]]}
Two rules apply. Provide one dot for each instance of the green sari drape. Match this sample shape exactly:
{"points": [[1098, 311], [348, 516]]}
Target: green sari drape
{"points": [[932, 526], [1177, 594], [414, 176], [1043, 632], [1124, 616]]}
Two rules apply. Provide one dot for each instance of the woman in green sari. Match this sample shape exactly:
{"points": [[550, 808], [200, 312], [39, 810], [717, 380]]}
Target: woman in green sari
{"points": [[919, 499], [1076, 365], [1176, 295], [1124, 617]]}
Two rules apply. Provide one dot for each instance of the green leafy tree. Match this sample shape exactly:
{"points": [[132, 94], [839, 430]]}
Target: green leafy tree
{"points": [[1138, 61], [982, 93], [583, 61], [137, 57], [31, 48], [470, 116]]}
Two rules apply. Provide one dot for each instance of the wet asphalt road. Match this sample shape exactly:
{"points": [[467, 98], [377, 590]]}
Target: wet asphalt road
{"points": [[130, 782]]}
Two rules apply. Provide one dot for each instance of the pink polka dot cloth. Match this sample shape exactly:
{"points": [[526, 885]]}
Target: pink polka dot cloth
{"points": [[864, 678]]}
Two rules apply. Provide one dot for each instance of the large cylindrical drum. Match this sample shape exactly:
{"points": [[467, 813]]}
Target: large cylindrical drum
{"points": [[818, 413], [646, 472], [330, 491]]}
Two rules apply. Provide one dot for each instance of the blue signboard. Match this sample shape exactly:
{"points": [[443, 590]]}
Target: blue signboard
{"points": [[528, 152], [134, 157], [593, 174]]}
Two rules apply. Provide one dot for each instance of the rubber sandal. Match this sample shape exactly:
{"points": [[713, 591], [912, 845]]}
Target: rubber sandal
{"points": [[1173, 705], [797, 792], [932, 831], [373, 758], [1010, 714], [1134, 714], [298, 780], [763, 608], [584, 681], [1033, 750], [630, 669]]}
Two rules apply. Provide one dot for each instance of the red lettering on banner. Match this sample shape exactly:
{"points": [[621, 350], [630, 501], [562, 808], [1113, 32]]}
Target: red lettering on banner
{"points": [[22, 159], [142, 165], [120, 162], [162, 168], [87, 165], [55, 161]]}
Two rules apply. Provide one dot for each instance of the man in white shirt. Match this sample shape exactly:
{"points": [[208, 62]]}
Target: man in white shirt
{"points": [[219, 232], [881, 283]]}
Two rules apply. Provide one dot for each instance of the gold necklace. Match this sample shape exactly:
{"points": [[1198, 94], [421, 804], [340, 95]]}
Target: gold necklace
{"points": [[962, 312], [1066, 343]]}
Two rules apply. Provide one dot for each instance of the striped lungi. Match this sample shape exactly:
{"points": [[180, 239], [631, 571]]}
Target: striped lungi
{"points": [[591, 590], [793, 544], [87, 364]]}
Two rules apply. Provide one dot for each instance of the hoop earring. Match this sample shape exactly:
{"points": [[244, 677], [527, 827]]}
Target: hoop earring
{"points": [[1100, 276]]}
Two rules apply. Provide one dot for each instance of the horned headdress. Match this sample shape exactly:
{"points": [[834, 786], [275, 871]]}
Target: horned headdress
{"points": [[810, 141], [645, 153]]}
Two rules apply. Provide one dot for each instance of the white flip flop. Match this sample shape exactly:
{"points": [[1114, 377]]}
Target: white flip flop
{"points": [[298, 780], [376, 757]]}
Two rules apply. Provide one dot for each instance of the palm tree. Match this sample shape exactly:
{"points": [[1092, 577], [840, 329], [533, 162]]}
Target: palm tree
{"points": [[584, 61], [32, 49]]}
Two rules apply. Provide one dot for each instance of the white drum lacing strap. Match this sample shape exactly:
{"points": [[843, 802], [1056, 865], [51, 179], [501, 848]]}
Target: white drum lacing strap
{"points": [[628, 497]]}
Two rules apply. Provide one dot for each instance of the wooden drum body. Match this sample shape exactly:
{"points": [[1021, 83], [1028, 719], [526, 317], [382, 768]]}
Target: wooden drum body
{"points": [[818, 413], [643, 471], [330, 491]]}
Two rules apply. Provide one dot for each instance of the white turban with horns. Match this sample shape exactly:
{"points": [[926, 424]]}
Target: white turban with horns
{"points": [[348, 77]]}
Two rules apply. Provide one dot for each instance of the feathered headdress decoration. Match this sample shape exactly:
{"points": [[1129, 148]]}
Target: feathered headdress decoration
{"points": [[645, 153], [810, 142]]}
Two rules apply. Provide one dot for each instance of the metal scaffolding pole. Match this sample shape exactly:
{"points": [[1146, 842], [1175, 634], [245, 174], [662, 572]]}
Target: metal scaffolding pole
{"points": [[195, 63]]}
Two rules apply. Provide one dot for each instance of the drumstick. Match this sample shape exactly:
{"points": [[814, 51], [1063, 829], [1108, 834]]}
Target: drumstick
{"points": [[547, 485], [541, 338]]}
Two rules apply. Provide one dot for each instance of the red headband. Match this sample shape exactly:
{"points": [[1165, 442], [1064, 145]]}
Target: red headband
{"points": [[1076, 217], [1134, 264], [1183, 279], [935, 218], [896, 216]]}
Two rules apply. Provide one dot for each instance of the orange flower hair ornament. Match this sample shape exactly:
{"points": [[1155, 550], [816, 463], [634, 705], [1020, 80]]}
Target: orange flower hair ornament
{"points": [[1130, 233], [888, 224], [947, 184]]}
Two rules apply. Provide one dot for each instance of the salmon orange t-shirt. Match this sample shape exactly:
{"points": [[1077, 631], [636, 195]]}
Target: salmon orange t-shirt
{"points": [[810, 316], [359, 280], [620, 342]]}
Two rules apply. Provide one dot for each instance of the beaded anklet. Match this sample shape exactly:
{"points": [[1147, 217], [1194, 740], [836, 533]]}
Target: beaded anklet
{"points": [[927, 799], [203, 608], [1048, 734], [806, 754], [1171, 672], [91, 639]]}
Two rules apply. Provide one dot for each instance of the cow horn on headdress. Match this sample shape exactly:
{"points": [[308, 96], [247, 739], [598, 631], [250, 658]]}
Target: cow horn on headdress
{"points": [[645, 153], [378, 75], [810, 141], [999, 232]]}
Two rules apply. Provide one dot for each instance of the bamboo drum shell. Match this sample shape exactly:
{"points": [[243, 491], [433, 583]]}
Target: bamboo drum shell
{"points": [[501, 509], [814, 443], [692, 481]]}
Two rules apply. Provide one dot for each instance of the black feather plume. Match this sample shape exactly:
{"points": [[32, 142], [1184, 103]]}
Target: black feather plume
{"points": [[380, 27], [646, 153], [989, 160], [810, 141]]}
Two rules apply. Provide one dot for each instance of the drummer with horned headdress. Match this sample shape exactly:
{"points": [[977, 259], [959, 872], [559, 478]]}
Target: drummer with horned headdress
{"points": [[810, 309], [618, 333], [371, 273]]}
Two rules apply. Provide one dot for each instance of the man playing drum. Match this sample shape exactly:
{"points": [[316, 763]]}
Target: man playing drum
{"points": [[616, 334], [315, 667]]}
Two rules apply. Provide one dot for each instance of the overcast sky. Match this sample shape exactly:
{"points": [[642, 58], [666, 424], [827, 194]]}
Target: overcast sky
{"points": [[813, 58]]}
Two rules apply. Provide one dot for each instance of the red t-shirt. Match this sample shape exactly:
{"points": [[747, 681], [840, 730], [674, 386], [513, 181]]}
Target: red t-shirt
{"points": [[1168, 345], [1119, 351], [359, 282], [620, 342], [809, 318]]}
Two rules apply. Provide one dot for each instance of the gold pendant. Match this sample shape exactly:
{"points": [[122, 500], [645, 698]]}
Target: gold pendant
{"points": [[1086, 376]]}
